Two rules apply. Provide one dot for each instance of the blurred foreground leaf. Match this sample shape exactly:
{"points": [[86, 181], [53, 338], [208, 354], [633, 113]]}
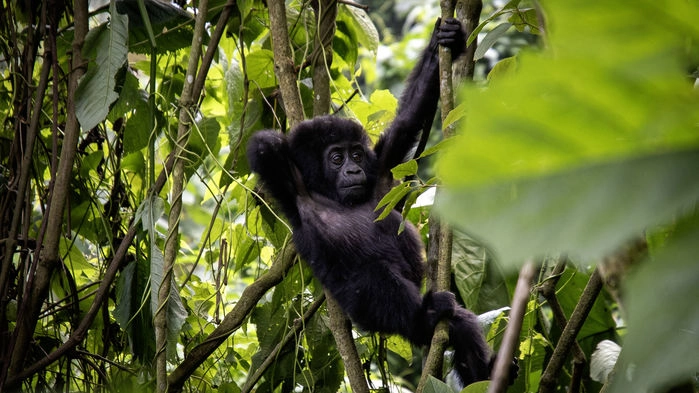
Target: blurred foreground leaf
{"points": [[667, 282], [587, 143], [585, 146]]}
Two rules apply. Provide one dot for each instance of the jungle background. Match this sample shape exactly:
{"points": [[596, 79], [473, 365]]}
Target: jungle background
{"points": [[137, 253]]}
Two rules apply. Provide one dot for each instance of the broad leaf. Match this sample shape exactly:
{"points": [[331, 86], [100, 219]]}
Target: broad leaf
{"points": [[587, 212], [434, 385], [171, 25], [407, 168], [97, 89], [176, 313], [584, 145], [132, 310]]}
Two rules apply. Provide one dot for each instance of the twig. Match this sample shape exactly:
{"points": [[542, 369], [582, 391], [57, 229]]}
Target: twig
{"points": [[565, 343], [299, 324], [501, 370], [353, 4], [548, 291], [233, 320]]}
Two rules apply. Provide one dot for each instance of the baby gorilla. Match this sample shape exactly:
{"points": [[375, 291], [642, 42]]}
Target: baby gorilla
{"points": [[327, 180]]}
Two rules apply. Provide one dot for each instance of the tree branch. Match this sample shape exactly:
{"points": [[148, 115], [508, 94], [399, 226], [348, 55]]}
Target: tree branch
{"points": [[321, 58], [469, 13], [548, 291], [510, 341], [234, 319], [284, 66], [341, 328], [439, 278], [49, 258], [299, 324], [172, 240], [565, 343]]}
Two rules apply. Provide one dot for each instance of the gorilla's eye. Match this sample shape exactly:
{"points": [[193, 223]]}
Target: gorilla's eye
{"points": [[357, 156], [336, 158]]}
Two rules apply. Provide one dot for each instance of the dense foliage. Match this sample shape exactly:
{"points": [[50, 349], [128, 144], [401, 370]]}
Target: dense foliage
{"points": [[137, 254]]}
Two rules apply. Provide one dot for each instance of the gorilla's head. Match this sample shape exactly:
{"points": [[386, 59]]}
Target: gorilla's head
{"points": [[334, 158]]}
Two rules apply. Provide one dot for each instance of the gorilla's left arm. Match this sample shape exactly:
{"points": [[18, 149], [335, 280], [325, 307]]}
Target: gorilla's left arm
{"points": [[418, 103]]}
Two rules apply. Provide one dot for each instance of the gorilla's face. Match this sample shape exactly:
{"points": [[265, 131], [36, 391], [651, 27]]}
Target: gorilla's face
{"points": [[345, 165]]}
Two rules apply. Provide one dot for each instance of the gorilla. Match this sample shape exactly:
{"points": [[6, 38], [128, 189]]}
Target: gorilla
{"points": [[327, 180]]}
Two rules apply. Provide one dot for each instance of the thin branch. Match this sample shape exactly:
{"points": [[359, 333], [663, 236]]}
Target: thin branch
{"points": [[510, 341], [565, 343], [48, 257], [548, 291], [353, 4], [299, 324], [234, 319], [172, 240]]}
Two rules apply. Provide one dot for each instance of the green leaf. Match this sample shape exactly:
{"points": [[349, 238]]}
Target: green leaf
{"points": [[434, 385], [612, 94], [477, 387], [662, 308], [172, 26], [468, 261], [508, 8], [587, 212], [176, 312], [376, 114], [503, 68], [407, 168], [491, 38], [149, 212], [360, 25], [260, 66], [133, 101], [132, 310], [454, 115], [391, 199], [439, 146], [525, 18], [97, 89], [584, 145], [400, 347], [568, 291]]}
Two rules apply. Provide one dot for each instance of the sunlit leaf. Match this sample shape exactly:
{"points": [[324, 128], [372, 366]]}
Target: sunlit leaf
{"points": [[391, 199], [260, 66], [490, 39], [407, 168]]}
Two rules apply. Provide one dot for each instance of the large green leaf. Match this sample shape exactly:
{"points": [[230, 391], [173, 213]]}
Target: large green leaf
{"points": [[176, 312], [171, 25], [587, 143], [133, 101], [587, 212], [97, 89], [132, 310]]}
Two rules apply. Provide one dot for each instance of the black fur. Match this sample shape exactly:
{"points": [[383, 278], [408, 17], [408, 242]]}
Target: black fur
{"points": [[327, 181]]}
